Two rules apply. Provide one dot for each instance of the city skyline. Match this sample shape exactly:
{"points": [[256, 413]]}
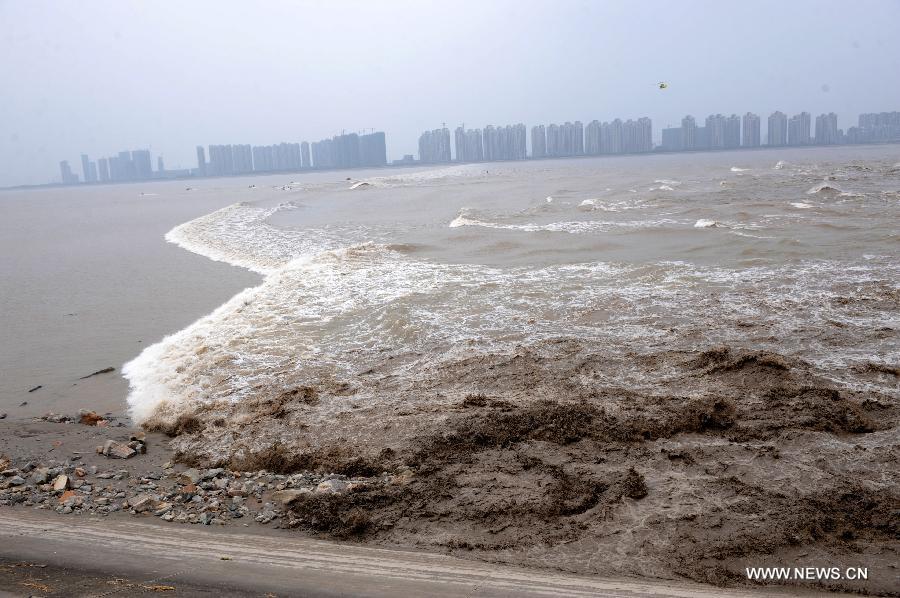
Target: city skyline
{"points": [[97, 77], [495, 143]]}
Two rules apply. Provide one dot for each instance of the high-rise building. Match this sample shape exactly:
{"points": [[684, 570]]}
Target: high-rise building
{"points": [[688, 133], [160, 165], [460, 139], [469, 145], [777, 131], [372, 149], [592, 138], [611, 137], [715, 129], [579, 139], [103, 167], [827, 132], [875, 128], [637, 135], [88, 169], [434, 146], [671, 139], [66, 174], [798, 129], [553, 140], [305, 161], [750, 127], [733, 131], [143, 166], [805, 124], [538, 141], [322, 154], [201, 160]]}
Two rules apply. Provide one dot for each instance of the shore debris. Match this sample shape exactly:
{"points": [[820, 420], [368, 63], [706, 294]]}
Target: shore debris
{"points": [[38, 387], [98, 372], [91, 418], [56, 418]]}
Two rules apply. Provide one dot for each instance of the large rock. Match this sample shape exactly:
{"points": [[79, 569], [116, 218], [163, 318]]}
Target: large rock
{"points": [[332, 487], [286, 498]]}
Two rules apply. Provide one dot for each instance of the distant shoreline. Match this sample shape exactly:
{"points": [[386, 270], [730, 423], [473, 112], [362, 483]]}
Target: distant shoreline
{"points": [[655, 152]]}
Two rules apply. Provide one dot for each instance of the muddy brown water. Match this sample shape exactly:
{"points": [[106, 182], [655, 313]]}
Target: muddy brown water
{"points": [[674, 365]]}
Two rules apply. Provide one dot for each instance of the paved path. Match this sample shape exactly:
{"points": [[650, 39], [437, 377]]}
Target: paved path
{"points": [[92, 553]]}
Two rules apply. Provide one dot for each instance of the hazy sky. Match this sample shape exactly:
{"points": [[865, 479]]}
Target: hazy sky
{"points": [[102, 76]]}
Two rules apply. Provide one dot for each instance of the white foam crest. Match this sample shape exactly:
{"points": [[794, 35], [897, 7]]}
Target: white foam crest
{"points": [[239, 235], [427, 176], [780, 165], [329, 311], [573, 227], [824, 188], [705, 223], [801, 205], [736, 169]]}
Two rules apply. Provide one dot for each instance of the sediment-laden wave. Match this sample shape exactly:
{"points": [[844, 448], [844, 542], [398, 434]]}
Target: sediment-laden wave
{"points": [[547, 414]]}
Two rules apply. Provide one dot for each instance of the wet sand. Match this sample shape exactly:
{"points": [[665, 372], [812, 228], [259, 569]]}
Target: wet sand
{"points": [[47, 556]]}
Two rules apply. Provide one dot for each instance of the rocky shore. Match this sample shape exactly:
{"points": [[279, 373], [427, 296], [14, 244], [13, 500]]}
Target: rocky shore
{"points": [[119, 478], [739, 459]]}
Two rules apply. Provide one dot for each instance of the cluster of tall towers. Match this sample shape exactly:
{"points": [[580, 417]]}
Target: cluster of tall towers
{"points": [[500, 143], [728, 132], [341, 151], [133, 165], [474, 145]]}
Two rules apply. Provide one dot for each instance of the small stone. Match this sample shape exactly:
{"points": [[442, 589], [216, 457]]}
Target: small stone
{"points": [[117, 450], [265, 516], [16, 480], [189, 476], [162, 508], [79, 471], [212, 473], [60, 483], [41, 475], [143, 503], [206, 518]]}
